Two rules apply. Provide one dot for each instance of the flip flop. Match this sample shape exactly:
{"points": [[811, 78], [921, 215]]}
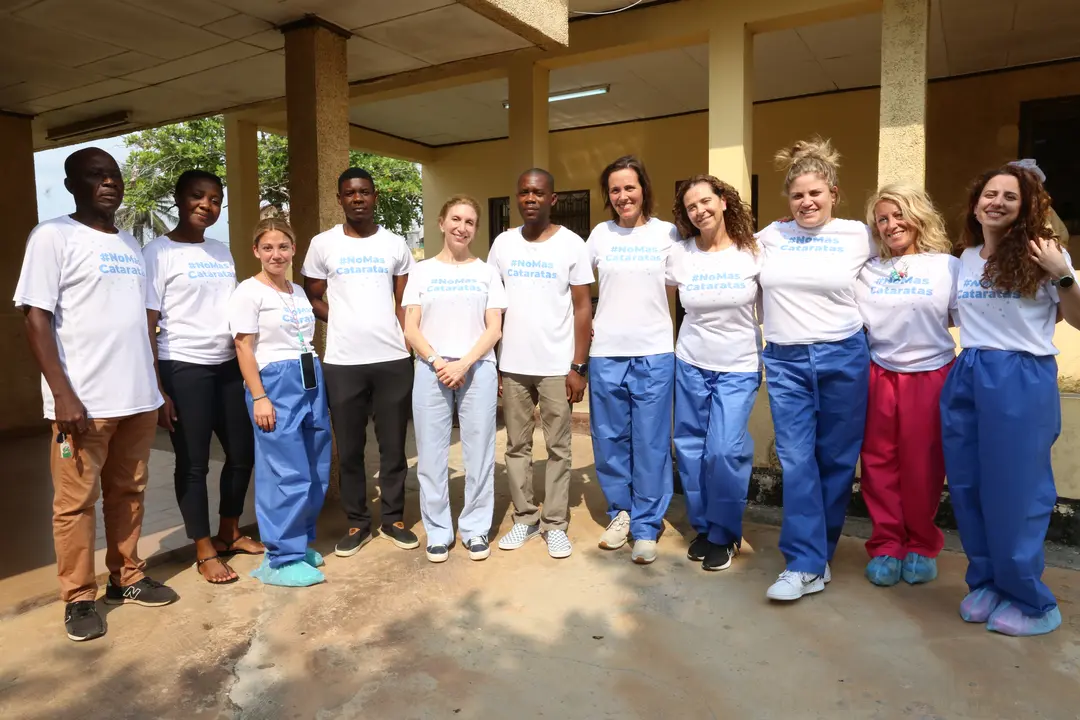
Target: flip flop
{"points": [[199, 563], [230, 546]]}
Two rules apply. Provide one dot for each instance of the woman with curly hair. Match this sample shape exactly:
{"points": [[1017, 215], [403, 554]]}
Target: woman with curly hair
{"points": [[817, 363], [905, 296], [717, 362], [1000, 407]]}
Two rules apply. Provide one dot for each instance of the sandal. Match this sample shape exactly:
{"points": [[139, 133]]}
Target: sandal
{"points": [[231, 549], [198, 567]]}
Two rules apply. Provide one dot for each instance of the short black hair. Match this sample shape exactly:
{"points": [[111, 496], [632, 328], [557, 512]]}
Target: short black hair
{"points": [[73, 161], [190, 176], [355, 174], [542, 172]]}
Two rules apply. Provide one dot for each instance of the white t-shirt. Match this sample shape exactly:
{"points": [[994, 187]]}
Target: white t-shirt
{"points": [[363, 327], [453, 300], [905, 303], [808, 280], [255, 308], [94, 284], [633, 318], [719, 291], [190, 284], [538, 329], [991, 319]]}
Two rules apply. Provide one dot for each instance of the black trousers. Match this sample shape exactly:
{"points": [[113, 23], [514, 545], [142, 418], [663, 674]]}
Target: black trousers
{"points": [[355, 392], [209, 400]]}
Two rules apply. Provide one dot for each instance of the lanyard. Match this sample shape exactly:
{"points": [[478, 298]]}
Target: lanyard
{"points": [[294, 315]]}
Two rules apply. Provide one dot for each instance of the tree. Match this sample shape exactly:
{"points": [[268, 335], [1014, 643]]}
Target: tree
{"points": [[159, 155]]}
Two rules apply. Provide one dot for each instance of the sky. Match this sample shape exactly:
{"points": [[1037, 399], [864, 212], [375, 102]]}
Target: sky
{"points": [[53, 198]]}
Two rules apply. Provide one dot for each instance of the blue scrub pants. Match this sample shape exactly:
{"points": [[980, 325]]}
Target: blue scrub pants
{"points": [[1000, 415], [630, 412], [818, 395], [433, 421], [714, 448], [292, 461]]}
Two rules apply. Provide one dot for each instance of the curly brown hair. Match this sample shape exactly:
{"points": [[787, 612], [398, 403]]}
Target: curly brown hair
{"points": [[1011, 268], [738, 218]]}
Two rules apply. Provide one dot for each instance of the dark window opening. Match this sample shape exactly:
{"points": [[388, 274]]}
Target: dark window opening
{"points": [[572, 212], [1048, 134], [498, 218]]}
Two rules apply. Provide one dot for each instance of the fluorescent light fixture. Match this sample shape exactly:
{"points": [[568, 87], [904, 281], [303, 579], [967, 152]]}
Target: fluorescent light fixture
{"points": [[573, 94], [85, 127]]}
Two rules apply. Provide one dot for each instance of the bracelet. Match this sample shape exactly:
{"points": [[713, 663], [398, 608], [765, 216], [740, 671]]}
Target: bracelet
{"points": [[261, 397]]}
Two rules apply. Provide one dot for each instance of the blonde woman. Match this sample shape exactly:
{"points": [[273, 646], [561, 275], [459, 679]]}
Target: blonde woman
{"points": [[274, 327], [817, 363], [453, 318], [905, 296]]}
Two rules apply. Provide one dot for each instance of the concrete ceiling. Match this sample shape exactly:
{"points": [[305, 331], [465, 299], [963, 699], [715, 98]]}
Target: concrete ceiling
{"points": [[69, 60], [966, 36]]}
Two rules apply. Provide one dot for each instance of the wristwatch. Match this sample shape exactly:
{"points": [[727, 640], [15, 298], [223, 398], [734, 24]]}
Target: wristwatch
{"points": [[431, 359], [1066, 282], [581, 369]]}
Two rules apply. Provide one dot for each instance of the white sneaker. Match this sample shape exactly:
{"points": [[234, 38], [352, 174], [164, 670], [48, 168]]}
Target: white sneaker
{"points": [[644, 552], [793, 585], [478, 547], [617, 532], [518, 536], [558, 544], [828, 574]]}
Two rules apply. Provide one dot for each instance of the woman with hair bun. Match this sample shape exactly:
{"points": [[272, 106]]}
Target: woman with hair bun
{"points": [[817, 363], [1000, 407], [717, 362], [905, 296]]}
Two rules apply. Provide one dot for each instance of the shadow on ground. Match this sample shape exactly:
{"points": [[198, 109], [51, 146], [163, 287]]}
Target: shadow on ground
{"points": [[524, 636]]}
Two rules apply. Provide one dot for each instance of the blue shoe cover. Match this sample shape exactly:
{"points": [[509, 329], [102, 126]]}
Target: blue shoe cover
{"points": [[919, 569], [883, 571], [294, 574], [1008, 620], [979, 605], [313, 558]]}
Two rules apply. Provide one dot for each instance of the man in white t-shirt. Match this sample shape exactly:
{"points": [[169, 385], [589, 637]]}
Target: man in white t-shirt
{"points": [[543, 356], [82, 289], [361, 269]]}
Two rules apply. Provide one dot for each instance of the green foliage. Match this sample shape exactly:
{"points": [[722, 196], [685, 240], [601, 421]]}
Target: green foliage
{"points": [[158, 156]]}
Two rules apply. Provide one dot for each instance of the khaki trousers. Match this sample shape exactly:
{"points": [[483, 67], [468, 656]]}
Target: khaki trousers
{"points": [[521, 394], [109, 460]]}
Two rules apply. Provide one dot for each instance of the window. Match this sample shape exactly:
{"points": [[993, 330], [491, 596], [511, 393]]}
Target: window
{"points": [[572, 211], [498, 217], [1048, 134]]}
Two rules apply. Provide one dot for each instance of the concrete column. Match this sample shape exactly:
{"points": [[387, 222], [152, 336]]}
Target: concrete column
{"points": [[905, 28], [731, 101], [242, 181], [528, 124], [20, 395], [317, 103]]}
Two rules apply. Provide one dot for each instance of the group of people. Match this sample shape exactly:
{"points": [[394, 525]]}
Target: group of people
{"points": [[858, 358]]}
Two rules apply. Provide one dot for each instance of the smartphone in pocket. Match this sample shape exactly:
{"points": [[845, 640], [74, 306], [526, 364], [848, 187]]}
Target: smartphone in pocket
{"points": [[307, 370]]}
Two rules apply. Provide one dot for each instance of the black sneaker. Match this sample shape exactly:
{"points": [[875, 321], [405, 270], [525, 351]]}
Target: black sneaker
{"points": [[351, 543], [147, 592], [397, 534], [82, 622], [438, 553], [478, 546], [718, 557], [697, 548]]}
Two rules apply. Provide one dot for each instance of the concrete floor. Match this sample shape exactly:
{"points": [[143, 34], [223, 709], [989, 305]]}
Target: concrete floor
{"points": [[524, 636]]}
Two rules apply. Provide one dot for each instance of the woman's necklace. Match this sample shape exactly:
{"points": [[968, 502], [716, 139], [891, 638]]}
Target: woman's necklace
{"points": [[899, 270]]}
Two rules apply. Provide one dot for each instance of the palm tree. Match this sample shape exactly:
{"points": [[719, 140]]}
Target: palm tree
{"points": [[147, 223]]}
